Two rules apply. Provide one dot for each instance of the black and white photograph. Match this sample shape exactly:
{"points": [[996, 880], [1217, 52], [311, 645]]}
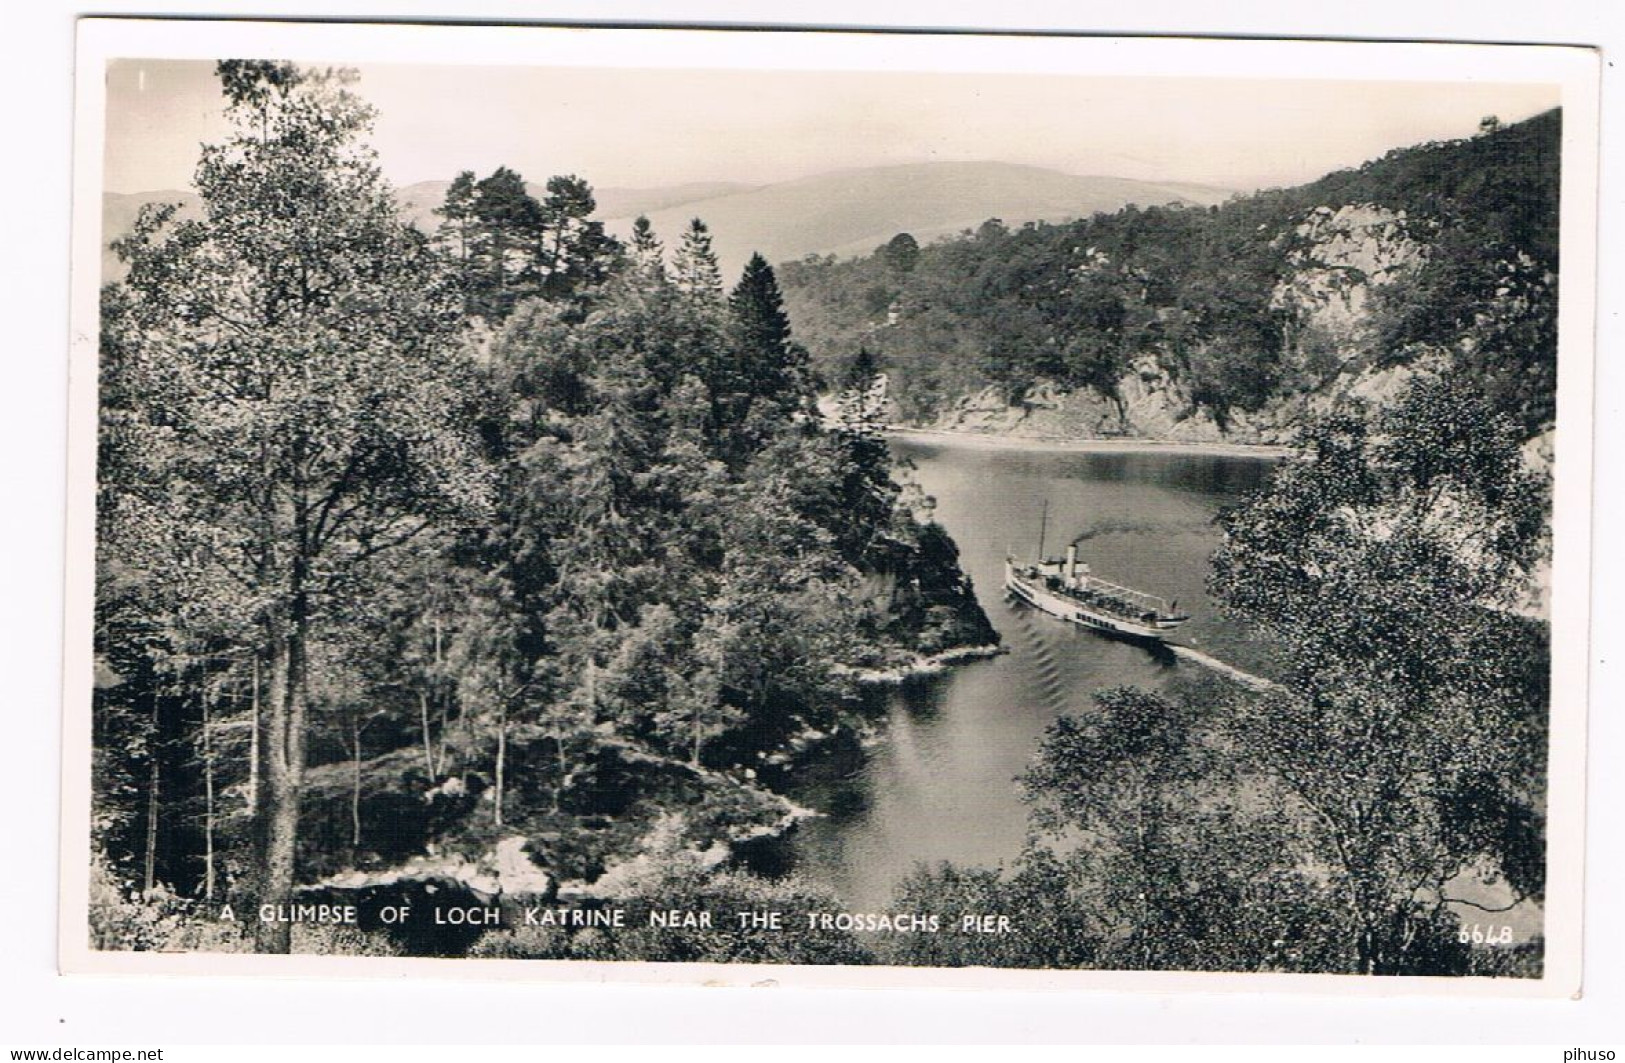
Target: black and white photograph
{"points": [[879, 509]]}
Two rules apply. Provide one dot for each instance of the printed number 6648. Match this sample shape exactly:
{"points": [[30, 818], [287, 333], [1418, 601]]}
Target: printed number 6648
{"points": [[1486, 935]]}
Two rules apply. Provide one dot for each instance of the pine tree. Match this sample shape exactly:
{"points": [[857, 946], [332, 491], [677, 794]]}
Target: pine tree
{"points": [[508, 229], [695, 270], [770, 381], [860, 407], [573, 254], [456, 233], [648, 256], [767, 359]]}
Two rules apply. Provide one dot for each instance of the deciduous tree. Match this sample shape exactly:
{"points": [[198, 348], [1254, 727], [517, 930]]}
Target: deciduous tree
{"points": [[295, 347], [1393, 560]]}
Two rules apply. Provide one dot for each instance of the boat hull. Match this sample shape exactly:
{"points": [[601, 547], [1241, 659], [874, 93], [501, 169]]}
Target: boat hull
{"points": [[1072, 611]]}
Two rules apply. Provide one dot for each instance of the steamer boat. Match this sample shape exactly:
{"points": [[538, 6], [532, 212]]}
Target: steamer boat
{"points": [[1066, 589]]}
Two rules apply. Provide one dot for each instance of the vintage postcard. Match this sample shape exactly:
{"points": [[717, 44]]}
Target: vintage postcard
{"points": [[836, 508]]}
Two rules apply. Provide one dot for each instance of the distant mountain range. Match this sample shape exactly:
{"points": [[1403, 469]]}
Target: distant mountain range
{"points": [[851, 212], [845, 212]]}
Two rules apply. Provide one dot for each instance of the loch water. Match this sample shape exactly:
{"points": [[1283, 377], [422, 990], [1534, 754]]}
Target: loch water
{"points": [[941, 782]]}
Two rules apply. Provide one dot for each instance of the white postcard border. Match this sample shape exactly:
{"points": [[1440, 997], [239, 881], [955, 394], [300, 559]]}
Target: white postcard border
{"points": [[1576, 70]]}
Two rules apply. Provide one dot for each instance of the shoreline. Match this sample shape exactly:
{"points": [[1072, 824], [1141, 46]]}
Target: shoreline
{"points": [[924, 665], [994, 441]]}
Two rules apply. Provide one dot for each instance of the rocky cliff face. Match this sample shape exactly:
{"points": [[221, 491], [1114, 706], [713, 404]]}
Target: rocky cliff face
{"points": [[1156, 407], [1337, 260]]}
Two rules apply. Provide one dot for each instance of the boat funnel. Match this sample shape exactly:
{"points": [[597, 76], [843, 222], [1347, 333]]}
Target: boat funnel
{"points": [[1072, 561]]}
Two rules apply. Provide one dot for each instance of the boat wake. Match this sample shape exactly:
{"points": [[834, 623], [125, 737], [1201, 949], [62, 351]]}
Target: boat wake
{"points": [[1043, 669], [1246, 679]]}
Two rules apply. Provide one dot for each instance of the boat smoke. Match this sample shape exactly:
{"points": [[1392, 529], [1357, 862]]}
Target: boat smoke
{"points": [[1136, 528]]}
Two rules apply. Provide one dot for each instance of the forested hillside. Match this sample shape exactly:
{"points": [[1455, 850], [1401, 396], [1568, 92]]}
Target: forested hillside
{"points": [[1224, 322], [509, 555]]}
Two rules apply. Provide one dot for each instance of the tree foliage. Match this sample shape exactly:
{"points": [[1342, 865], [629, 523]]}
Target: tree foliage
{"points": [[421, 545], [509, 246], [1415, 726], [1192, 290], [283, 371]]}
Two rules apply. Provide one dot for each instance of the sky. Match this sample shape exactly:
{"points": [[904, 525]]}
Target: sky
{"points": [[649, 128]]}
